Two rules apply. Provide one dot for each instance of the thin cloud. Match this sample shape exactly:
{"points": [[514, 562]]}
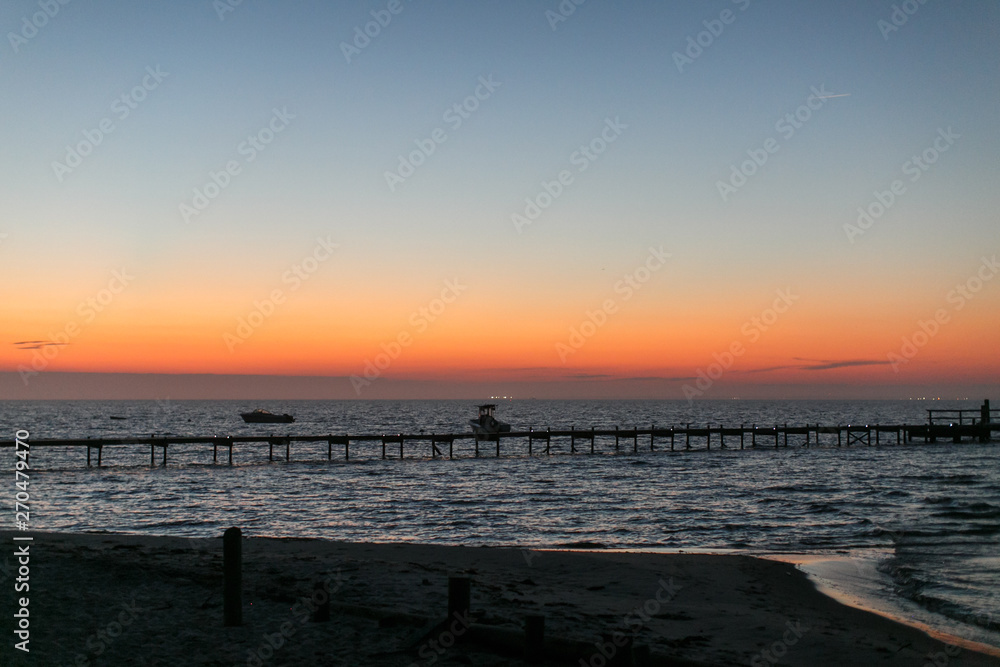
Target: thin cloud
{"points": [[35, 344], [766, 370], [830, 365], [816, 365]]}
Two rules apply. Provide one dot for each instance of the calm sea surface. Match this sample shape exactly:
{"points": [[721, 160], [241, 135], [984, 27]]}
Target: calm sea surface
{"points": [[927, 516]]}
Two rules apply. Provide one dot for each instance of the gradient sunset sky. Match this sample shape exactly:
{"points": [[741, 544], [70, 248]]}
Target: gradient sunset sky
{"points": [[201, 189]]}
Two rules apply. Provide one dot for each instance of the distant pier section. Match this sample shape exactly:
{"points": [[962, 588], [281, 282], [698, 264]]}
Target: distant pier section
{"points": [[956, 426]]}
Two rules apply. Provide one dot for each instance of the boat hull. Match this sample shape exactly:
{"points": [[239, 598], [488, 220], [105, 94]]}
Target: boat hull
{"points": [[252, 418], [489, 428]]}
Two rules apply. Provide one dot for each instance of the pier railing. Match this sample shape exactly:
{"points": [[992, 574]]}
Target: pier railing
{"points": [[983, 415]]}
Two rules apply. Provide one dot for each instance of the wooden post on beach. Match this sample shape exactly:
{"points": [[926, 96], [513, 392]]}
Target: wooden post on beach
{"points": [[534, 638], [623, 657], [459, 596], [232, 577], [322, 612]]}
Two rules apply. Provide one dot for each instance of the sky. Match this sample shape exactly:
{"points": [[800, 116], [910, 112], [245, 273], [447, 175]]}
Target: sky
{"points": [[403, 199]]}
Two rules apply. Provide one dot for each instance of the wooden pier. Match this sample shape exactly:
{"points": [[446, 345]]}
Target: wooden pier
{"points": [[954, 425]]}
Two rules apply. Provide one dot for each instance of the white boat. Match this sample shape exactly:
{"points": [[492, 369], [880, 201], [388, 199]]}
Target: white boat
{"points": [[486, 423]]}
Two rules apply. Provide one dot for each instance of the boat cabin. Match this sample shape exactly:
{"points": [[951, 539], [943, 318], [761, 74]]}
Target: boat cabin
{"points": [[486, 409]]}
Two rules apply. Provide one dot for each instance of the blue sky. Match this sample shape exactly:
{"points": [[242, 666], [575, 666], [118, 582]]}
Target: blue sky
{"points": [[656, 184]]}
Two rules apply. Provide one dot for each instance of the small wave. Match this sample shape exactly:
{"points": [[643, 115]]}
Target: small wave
{"points": [[180, 523], [821, 508], [948, 532], [967, 514], [800, 488]]}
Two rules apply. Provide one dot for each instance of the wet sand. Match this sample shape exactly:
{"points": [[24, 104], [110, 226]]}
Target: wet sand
{"points": [[107, 599]]}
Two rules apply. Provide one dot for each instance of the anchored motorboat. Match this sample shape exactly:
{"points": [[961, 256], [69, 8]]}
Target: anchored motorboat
{"points": [[486, 422], [260, 416]]}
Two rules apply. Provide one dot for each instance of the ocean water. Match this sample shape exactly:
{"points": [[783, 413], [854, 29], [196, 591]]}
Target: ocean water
{"points": [[920, 522]]}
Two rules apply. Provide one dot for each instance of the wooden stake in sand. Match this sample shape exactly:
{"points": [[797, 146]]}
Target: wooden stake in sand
{"points": [[322, 612], [459, 597], [534, 638], [232, 577]]}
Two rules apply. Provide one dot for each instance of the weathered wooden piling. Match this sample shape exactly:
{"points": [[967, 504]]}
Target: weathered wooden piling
{"points": [[534, 638], [321, 614], [99, 449], [459, 597], [984, 422], [232, 577]]}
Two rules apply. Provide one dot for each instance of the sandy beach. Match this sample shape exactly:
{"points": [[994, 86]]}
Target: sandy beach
{"points": [[107, 599]]}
